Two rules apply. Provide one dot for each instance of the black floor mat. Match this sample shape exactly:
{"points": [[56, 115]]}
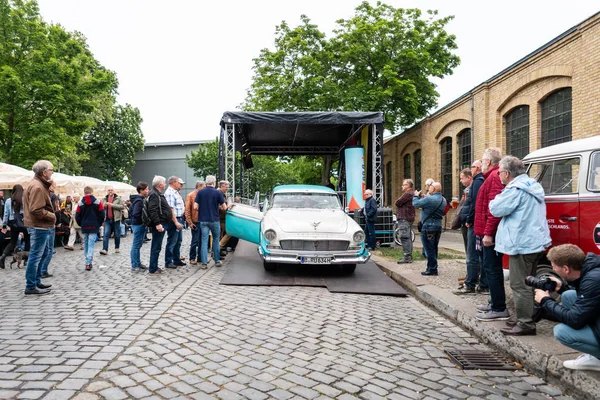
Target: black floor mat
{"points": [[246, 269]]}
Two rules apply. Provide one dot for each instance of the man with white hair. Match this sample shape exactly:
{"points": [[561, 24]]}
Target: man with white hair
{"points": [[174, 228], [75, 229], [39, 218], [208, 203], [160, 215], [370, 212]]}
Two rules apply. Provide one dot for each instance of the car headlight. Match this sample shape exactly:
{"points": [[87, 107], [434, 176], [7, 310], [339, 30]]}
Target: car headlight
{"points": [[270, 235], [358, 236]]}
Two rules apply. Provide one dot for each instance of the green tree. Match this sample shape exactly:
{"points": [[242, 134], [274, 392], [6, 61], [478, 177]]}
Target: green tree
{"points": [[381, 59], [52, 89], [205, 160], [112, 144]]}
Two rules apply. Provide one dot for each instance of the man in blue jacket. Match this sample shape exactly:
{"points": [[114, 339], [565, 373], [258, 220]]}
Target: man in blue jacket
{"points": [[432, 211], [370, 211], [138, 228], [523, 234], [89, 215], [578, 315]]}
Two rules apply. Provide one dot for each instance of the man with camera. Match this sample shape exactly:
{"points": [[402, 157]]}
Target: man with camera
{"points": [[579, 312], [523, 234]]}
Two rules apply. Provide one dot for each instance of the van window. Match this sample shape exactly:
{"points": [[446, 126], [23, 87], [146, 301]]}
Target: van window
{"points": [[594, 181], [557, 177]]}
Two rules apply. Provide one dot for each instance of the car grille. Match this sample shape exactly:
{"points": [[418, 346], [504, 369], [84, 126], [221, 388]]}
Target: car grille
{"points": [[315, 245]]}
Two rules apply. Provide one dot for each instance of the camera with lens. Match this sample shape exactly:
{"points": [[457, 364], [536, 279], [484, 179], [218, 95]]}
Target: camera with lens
{"points": [[543, 282]]}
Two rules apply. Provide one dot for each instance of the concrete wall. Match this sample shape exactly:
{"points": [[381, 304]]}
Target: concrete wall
{"points": [[166, 159]]}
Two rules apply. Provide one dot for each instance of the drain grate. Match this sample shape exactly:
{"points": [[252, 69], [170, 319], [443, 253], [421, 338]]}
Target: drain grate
{"points": [[475, 359]]}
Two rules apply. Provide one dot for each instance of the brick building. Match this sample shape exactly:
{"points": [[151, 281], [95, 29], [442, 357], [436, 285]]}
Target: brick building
{"points": [[550, 96]]}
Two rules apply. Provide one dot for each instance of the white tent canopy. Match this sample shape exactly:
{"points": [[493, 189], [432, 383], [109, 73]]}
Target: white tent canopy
{"points": [[11, 175]]}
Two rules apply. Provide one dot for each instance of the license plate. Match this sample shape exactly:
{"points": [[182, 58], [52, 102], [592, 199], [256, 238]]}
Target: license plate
{"points": [[316, 260]]}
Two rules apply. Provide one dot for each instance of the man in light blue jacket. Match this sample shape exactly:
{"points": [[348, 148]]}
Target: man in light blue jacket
{"points": [[523, 234]]}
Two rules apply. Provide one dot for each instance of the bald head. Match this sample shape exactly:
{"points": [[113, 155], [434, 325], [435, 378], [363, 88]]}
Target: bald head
{"points": [[437, 187]]}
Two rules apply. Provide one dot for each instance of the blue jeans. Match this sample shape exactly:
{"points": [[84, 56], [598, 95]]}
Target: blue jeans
{"points": [[89, 239], [215, 229], [155, 246], [111, 226], [492, 266], [583, 339], [38, 251], [194, 253], [370, 233], [138, 238], [50, 245], [431, 239], [174, 238], [473, 263]]}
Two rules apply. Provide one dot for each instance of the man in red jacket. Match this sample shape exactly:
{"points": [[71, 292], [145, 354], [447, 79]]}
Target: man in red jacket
{"points": [[485, 231]]}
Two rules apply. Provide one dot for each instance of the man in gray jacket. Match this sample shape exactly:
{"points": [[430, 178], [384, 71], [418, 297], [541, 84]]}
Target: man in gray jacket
{"points": [[113, 204]]}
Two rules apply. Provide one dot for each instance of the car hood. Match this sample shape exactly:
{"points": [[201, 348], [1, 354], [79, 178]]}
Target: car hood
{"points": [[302, 220]]}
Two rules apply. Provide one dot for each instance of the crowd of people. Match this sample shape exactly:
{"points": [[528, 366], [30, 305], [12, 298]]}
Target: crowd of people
{"points": [[34, 220], [503, 212]]}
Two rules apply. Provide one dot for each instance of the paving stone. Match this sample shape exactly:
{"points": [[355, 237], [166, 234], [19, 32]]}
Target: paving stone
{"points": [[113, 394], [138, 392], [31, 394]]}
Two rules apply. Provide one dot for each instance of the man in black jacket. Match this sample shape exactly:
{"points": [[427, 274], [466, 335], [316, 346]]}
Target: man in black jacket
{"points": [[370, 211], [161, 215], [579, 313]]}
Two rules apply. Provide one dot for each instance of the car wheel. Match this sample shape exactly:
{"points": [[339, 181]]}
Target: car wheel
{"points": [[348, 268], [269, 266]]}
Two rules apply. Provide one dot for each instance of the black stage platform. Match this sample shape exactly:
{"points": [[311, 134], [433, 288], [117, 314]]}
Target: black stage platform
{"points": [[246, 269]]}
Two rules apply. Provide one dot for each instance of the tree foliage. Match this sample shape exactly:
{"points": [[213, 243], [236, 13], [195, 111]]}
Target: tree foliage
{"points": [[112, 144], [381, 59], [53, 92]]}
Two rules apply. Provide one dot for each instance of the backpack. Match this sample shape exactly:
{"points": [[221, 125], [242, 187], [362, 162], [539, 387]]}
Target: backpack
{"points": [[146, 221]]}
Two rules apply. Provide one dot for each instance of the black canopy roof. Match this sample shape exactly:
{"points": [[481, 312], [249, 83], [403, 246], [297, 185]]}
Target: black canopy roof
{"points": [[298, 132]]}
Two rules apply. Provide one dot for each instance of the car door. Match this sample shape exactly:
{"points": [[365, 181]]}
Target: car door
{"points": [[589, 204], [243, 222], [560, 180]]}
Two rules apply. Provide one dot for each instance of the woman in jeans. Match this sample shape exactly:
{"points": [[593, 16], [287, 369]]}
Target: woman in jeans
{"points": [[13, 209]]}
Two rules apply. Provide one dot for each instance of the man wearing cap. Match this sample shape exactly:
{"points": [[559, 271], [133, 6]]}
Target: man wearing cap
{"points": [[174, 229]]}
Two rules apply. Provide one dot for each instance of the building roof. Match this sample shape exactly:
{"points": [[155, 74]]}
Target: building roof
{"points": [[180, 143]]}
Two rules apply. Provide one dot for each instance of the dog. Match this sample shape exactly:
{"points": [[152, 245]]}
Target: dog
{"points": [[19, 257]]}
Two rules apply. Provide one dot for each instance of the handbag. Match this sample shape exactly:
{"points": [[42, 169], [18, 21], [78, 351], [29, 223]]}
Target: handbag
{"points": [[19, 222]]}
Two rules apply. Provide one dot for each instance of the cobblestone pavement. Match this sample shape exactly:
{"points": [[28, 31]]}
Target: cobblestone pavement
{"points": [[114, 334]]}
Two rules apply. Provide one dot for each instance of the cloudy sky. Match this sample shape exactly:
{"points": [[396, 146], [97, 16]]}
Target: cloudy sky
{"points": [[184, 62]]}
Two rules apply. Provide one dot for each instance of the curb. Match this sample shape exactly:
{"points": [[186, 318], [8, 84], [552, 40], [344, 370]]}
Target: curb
{"points": [[542, 355]]}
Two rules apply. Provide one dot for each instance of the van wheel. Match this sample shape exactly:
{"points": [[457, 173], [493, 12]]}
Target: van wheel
{"points": [[269, 266], [348, 268]]}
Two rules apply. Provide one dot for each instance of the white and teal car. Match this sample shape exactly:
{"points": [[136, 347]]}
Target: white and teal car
{"points": [[301, 224]]}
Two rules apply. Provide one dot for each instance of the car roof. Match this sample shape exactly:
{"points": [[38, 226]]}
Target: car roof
{"points": [[575, 146], [302, 189]]}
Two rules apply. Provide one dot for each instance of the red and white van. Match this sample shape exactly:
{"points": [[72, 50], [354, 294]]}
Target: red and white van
{"points": [[570, 175]]}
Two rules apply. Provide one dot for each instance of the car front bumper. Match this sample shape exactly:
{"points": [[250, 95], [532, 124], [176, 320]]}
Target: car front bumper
{"points": [[295, 257]]}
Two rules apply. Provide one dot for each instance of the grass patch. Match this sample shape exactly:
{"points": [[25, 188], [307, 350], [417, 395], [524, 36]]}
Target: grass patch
{"points": [[395, 253]]}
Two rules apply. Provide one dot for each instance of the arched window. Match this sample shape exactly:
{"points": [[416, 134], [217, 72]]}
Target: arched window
{"points": [[446, 153], [388, 182], [407, 172], [464, 149], [517, 132], [417, 157], [556, 118]]}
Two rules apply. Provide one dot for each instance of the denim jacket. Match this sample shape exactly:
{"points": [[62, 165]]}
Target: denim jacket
{"points": [[9, 214], [432, 211]]}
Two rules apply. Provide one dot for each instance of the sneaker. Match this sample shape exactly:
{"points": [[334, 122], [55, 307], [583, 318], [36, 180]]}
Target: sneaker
{"points": [[405, 260], [464, 290], [483, 307], [136, 269], [157, 272], [480, 289], [171, 266], [69, 248], [142, 266], [493, 316], [193, 262], [117, 251], [37, 291], [47, 275], [104, 252], [585, 362], [88, 267], [204, 266], [218, 264]]}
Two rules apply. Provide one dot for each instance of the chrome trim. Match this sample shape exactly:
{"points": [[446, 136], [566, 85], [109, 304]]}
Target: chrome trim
{"points": [[336, 259]]}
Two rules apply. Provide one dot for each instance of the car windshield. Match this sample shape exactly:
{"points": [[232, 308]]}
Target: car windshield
{"points": [[323, 201]]}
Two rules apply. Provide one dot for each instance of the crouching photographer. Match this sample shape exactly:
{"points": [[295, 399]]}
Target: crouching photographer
{"points": [[579, 313]]}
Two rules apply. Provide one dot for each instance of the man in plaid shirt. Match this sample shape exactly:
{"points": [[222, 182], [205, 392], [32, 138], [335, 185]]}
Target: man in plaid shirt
{"points": [[405, 215], [174, 229]]}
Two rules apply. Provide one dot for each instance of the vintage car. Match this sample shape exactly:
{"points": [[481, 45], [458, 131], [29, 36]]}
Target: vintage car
{"points": [[301, 224]]}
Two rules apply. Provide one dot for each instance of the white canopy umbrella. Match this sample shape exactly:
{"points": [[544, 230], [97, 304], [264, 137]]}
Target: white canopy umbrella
{"points": [[11, 175]]}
